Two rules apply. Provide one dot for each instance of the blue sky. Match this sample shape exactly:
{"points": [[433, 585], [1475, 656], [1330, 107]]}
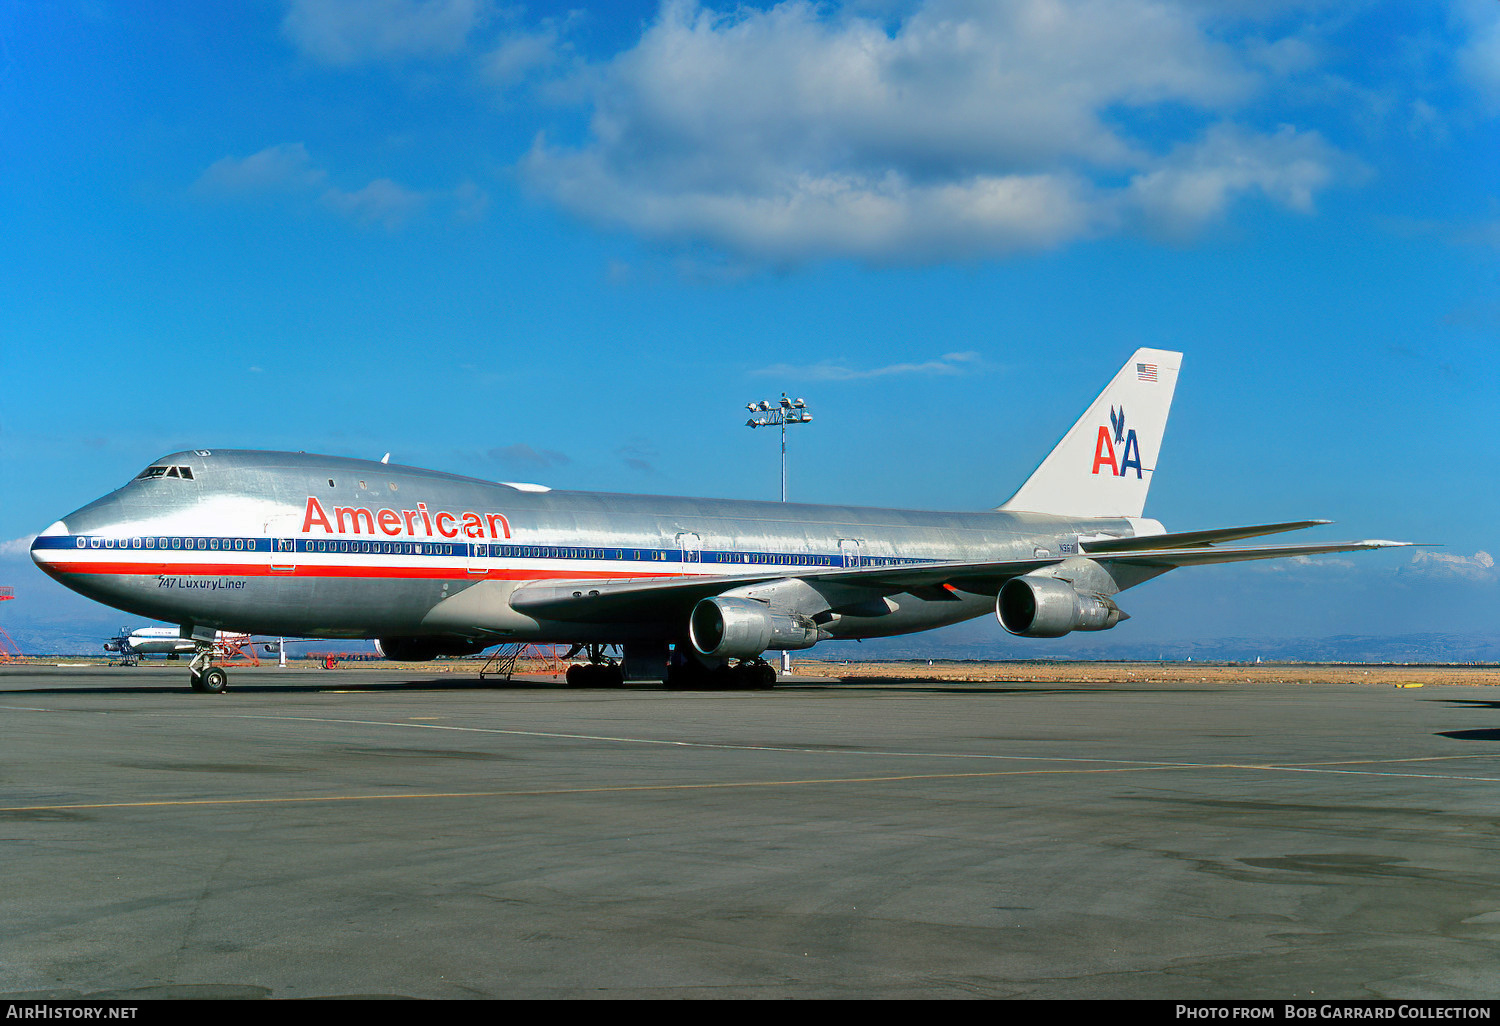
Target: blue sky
{"points": [[567, 243]]}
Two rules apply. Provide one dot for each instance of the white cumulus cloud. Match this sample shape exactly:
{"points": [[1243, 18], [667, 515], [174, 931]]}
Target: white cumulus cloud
{"points": [[17, 546], [360, 31], [275, 168], [963, 128], [382, 202], [833, 370], [521, 53], [287, 169], [1478, 567], [1193, 184], [1479, 55]]}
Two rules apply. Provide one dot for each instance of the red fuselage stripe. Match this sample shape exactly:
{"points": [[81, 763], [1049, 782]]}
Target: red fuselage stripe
{"points": [[246, 570]]}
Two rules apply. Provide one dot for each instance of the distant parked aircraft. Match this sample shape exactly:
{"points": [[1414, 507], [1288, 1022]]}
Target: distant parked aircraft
{"points": [[131, 645]]}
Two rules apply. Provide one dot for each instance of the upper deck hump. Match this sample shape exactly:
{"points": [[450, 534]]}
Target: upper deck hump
{"points": [[317, 469]]}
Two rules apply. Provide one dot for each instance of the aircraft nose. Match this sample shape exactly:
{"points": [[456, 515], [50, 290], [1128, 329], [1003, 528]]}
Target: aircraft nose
{"points": [[45, 547]]}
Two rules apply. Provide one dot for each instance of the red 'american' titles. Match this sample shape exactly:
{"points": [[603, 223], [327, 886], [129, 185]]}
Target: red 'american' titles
{"points": [[408, 523]]}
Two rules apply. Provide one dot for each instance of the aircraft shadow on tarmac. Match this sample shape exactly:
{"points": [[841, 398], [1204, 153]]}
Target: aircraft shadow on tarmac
{"points": [[998, 688], [1483, 734], [1471, 703], [1476, 734]]}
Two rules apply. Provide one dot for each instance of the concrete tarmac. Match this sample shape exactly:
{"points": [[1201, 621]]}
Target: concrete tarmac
{"points": [[314, 833]]}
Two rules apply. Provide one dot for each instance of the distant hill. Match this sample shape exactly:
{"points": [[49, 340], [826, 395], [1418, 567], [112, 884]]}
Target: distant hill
{"points": [[86, 635], [1352, 648]]}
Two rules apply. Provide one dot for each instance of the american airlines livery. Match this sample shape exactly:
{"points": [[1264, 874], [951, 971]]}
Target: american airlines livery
{"points": [[694, 591]]}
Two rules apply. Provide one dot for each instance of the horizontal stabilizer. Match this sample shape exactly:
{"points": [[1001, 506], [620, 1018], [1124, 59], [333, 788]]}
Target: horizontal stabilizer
{"points": [[1209, 554], [1189, 539]]}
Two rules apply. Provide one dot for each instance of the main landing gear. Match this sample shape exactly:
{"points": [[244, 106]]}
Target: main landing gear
{"points": [[684, 670], [211, 680], [688, 674], [601, 671]]}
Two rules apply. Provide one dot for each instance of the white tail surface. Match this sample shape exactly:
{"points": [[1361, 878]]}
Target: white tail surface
{"points": [[1104, 464]]}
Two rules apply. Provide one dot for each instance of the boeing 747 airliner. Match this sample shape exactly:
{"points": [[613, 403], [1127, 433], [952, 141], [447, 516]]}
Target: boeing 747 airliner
{"points": [[695, 591]]}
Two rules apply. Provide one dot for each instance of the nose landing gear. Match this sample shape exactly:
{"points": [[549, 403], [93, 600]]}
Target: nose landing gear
{"points": [[211, 680]]}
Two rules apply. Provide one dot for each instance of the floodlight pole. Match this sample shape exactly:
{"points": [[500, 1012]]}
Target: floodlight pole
{"points": [[764, 414], [783, 461]]}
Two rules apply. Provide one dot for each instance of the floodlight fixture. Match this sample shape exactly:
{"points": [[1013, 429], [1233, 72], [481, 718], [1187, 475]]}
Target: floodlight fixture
{"points": [[779, 414]]}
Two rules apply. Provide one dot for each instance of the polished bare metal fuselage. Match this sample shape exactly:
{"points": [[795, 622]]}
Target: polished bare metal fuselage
{"points": [[316, 546], [437, 564]]}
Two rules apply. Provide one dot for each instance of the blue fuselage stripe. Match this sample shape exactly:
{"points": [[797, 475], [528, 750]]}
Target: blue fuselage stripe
{"points": [[442, 550]]}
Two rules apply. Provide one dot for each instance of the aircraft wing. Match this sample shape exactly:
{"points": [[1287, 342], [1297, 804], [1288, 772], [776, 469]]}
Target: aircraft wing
{"points": [[640, 598], [643, 598], [606, 600]]}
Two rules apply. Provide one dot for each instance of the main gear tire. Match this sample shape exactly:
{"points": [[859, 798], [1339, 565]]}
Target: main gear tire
{"points": [[212, 681]]}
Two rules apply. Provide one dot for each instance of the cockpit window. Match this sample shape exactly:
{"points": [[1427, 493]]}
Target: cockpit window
{"points": [[151, 472]]}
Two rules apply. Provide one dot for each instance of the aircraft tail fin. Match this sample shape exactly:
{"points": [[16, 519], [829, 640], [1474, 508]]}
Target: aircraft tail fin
{"points": [[1104, 464]]}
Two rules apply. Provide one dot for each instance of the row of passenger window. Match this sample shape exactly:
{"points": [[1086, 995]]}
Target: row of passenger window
{"points": [[778, 558], [164, 543], [503, 551], [392, 548]]}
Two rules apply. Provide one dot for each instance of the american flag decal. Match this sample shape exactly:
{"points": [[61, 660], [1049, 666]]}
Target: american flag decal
{"points": [[1145, 371]]}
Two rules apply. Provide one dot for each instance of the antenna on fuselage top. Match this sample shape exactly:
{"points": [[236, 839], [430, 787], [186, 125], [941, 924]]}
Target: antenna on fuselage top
{"points": [[386, 458]]}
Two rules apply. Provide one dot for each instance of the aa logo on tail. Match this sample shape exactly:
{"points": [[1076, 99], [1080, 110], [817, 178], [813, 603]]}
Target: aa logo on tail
{"points": [[1129, 453]]}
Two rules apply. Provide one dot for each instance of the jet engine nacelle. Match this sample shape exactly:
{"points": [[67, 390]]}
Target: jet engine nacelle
{"points": [[1044, 607], [736, 628], [419, 650]]}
